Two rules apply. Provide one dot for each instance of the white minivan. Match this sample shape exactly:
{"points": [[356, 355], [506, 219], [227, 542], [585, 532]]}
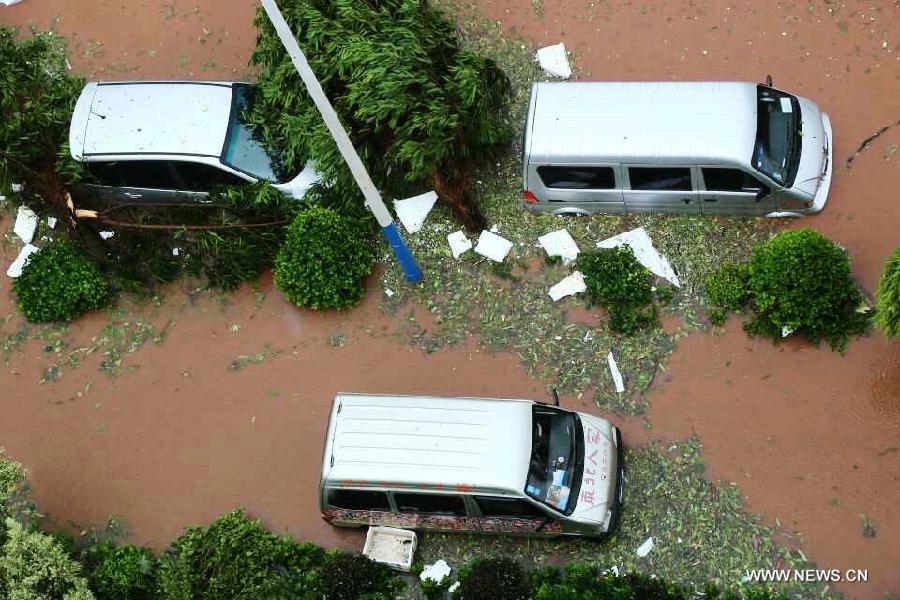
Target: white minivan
{"points": [[711, 148], [470, 464]]}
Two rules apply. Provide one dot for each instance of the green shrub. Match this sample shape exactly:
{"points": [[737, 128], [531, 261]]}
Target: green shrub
{"points": [[729, 287], [717, 315], [237, 558], [801, 281], [352, 576], [888, 295], [324, 260], [15, 495], [618, 282], [495, 578], [122, 573], [60, 283]]}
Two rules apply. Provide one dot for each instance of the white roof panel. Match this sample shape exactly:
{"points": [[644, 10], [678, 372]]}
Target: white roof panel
{"points": [[155, 117], [578, 122], [438, 443]]}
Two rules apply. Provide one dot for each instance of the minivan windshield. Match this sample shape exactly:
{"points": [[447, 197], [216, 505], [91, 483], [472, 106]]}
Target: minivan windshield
{"points": [[557, 458], [242, 150], [778, 141]]}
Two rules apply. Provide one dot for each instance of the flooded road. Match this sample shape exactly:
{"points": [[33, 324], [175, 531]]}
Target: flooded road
{"points": [[811, 436]]}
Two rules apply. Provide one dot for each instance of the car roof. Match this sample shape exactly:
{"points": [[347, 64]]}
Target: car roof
{"points": [[663, 122], [460, 444], [151, 117]]}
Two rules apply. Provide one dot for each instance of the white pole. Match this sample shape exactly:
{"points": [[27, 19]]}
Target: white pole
{"points": [[345, 146]]}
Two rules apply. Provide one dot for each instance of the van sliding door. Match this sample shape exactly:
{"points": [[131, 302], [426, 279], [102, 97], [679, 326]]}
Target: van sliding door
{"points": [[660, 189]]}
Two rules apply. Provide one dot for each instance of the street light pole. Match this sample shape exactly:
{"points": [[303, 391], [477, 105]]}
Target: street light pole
{"points": [[373, 198]]}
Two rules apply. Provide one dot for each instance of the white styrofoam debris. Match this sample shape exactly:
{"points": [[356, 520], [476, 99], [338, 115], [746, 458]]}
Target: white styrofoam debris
{"points": [[614, 371], [388, 292], [51, 222], [26, 224], [494, 228], [453, 587], [412, 212], [15, 269], [786, 331], [645, 548], [554, 61], [560, 243], [588, 336], [435, 572], [176, 251], [569, 286], [9, 2], [459, 243], [105, 235], [614, 570], [391, 546], [493, 246], [17, 187], [642, 246]]}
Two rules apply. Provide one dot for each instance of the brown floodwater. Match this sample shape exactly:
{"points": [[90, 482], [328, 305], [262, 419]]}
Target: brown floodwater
{"points": [[811, 436]]}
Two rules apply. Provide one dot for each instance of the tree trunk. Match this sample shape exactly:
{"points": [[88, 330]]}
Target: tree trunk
{"points": [[453, 190]]}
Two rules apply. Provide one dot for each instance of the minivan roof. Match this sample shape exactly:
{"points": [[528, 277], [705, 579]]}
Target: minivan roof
{"points": [[459, 444], [639, 122], [151, 117]]}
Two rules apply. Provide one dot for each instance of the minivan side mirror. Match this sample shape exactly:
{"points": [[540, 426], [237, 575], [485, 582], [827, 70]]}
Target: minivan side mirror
{"points": [[761, 193], [555, 397], [768, 81]]}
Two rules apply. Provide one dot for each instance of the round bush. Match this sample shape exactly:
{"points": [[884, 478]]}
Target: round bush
{"points": [[124, 572], [60, 283], [353, 576], [888, 294], [729, 287], [496, 578], [324, 260], [618, 282], [801, 281]]}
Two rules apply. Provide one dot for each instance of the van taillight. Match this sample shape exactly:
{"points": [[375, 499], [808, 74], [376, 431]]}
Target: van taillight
{"points": [[529, 197]]}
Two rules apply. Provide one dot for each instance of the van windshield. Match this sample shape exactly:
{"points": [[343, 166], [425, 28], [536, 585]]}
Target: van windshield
{"points": [[557, 457], [778, 141]]}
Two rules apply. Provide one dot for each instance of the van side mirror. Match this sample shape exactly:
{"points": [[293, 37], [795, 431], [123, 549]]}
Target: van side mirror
{"points": [[768, 81], [761, 194], [555, 397]]}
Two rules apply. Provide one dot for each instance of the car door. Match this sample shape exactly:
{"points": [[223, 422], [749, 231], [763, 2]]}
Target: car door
{"points": [[127, 181], [654, 188], [435, 512], [502, 514], [731, 191], [584, 188], [199, 179]]}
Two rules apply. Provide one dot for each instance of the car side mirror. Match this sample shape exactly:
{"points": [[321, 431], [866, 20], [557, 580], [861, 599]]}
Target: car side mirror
{"points": [[555, 395], [768, 81]]}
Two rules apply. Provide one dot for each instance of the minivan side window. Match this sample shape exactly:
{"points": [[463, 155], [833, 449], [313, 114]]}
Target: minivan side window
{"points": [[578, 178], [660, 178], [493, 506], [729, 180], [358, 499], [135, 173], [432, 504], [199, 177]]}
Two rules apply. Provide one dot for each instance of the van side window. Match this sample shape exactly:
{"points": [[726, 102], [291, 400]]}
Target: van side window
{"points": [[135, 173], [432, 504], [578, 178], [492, 506], [660, 178], [729, 180], [358, 499]]}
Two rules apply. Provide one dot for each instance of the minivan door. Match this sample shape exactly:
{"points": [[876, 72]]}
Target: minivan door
{"points": [[660, 189], [733, 192]]}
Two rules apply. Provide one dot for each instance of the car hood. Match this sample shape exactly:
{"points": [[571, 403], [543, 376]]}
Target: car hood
{"points": [[813, 151], [598, 480]]}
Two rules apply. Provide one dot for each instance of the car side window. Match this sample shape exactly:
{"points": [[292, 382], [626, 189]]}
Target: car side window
{"points": [[493, 506], [430, 504], [729, 180], [358, 499], [135, 173], [199, 177], [578, 178], [660, 178]]}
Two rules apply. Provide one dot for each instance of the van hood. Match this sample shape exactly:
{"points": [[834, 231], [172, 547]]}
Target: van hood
{"points": [[598, 481], [814, 149]]}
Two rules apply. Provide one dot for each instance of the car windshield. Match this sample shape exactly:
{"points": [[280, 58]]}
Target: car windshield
{"points": [[777, 150], [557, 456], [242, 150]]}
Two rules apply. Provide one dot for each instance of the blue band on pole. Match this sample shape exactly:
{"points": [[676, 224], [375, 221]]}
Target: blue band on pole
{"points": [[410, 269]]}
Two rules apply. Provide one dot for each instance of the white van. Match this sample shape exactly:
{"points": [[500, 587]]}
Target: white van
{"points": [[718, 148], [470, 464]]}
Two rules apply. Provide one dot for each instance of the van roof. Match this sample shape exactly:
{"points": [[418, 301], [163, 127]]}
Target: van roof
{"points": [[665, 122], [460, 444], [151, 117]]}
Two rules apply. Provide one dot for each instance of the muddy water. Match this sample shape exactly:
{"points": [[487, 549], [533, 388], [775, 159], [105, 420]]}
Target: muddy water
{"points": [[811, 436]]}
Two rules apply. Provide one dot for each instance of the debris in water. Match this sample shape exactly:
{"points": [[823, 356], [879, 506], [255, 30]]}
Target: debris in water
{"points": [[645, 548], [436, 572], [15, 269], [51, 222], [569, 286], [642, 246], [412, 212], [560, 243], [388, 292], [614, 371], [493, 246], [459, 243], [554, 61], [26, 224], [105, 235]]}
